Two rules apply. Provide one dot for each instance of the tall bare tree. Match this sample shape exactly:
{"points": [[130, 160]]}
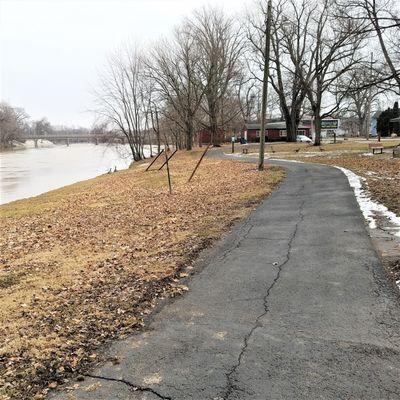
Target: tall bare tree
{"points": [[220, 48], [381, 19], [174, 66], [120, 97], [333, 49], [289, 52], [360, 94], [12, 124]]}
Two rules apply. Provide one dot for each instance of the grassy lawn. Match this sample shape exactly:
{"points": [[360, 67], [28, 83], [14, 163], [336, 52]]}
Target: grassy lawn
{"points": [[85, 263]]}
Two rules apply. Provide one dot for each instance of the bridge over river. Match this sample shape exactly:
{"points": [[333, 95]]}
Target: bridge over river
{"points": [[68, 139]]}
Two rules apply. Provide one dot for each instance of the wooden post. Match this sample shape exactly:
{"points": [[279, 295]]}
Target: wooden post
{"points": [[168, 159], [198, 163], [233, 144], [158, 155], [265, 85], [169, 176]]}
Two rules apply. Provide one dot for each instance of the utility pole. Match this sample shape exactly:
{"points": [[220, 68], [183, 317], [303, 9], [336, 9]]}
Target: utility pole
{"points": [[265, 85], [368, 122]]}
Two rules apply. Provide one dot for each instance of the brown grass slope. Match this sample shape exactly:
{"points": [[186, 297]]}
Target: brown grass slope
{"points": [[83, 264]]}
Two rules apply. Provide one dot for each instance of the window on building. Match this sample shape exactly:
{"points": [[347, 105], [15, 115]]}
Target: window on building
{"points": [[282, 133]]}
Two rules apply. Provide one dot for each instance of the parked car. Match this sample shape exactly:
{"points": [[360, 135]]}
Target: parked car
{"points": [[303, 139]]}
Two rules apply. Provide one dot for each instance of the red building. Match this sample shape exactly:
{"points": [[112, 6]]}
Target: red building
{"points": [[274, 131], [204, 136]]}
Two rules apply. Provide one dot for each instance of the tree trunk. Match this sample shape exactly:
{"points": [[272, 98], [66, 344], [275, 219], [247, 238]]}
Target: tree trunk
{"points": [[189, 134], [317, 123], [291, 130], [158, 142]]}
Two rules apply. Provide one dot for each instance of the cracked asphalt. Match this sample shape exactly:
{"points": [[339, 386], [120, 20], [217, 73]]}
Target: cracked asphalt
{"points": [[292, 304]]}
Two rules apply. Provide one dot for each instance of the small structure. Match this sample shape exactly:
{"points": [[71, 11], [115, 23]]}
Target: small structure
{"points": [[376, 148], [274, 131], [395, 126]]}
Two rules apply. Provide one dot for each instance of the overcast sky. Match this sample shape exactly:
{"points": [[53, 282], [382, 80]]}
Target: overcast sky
{"points": [[51, 50]]}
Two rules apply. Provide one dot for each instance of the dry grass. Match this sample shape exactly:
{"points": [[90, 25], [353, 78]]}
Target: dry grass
{"points": [[83, 264]]}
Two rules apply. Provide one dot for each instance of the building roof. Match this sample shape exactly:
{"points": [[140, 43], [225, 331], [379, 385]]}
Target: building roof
{"points": [[273, 125]]}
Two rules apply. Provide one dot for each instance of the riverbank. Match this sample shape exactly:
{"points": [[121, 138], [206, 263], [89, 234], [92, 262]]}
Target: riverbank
{"points": [[85, 263]]}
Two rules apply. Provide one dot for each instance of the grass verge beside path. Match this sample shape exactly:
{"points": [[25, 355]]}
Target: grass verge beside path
{"points": [[84, 264]]}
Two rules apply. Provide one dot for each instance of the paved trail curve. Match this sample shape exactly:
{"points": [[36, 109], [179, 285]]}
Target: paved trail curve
{"points": [[293, 304]]}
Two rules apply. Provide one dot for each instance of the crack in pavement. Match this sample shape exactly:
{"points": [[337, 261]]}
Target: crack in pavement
{"points": [[238, 240], [230, 385], [133, 387]]}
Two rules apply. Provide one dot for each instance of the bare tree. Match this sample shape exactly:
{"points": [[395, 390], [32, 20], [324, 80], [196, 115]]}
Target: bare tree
{"points": [[174, 66], [289, 52], [360, 94], [249, 99], [12, 124], [42, 127], [120, 97], [381, 18], [332, 46], [220, 46]]}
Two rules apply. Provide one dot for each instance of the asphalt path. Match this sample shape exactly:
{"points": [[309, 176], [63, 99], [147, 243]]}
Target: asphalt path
{"points": [[292, 304]]}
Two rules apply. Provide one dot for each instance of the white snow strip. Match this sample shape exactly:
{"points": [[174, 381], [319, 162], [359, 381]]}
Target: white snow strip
{"points": [[398, 283], [286, 160], [368, 206]]}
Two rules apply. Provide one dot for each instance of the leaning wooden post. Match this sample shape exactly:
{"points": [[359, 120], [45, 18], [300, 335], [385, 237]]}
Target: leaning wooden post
{"points": [[198, 163], [158, 155], [168, 159], [169, 177], [265, 86]]}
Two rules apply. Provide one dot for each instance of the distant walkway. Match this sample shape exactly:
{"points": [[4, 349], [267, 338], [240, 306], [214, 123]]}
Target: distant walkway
{"points": [[293, 304]]}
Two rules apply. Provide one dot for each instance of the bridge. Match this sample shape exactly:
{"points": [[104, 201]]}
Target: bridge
{"points": [[68, 139]]}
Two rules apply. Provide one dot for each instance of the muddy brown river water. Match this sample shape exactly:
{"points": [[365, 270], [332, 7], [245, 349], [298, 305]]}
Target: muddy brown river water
{"points": [[26, 172]]}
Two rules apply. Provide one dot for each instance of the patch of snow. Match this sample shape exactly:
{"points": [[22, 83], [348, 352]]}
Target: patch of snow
{"points": [[284, 159], [398, 283], [369, 207], [371, 173], [367, 154], [30, 144]]}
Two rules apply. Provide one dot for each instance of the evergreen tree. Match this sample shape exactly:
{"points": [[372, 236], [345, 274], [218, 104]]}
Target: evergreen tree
{"points": [[384, 126]]}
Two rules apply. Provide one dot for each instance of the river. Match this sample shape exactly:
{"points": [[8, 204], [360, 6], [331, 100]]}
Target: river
{"points": [[29, 171]]}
